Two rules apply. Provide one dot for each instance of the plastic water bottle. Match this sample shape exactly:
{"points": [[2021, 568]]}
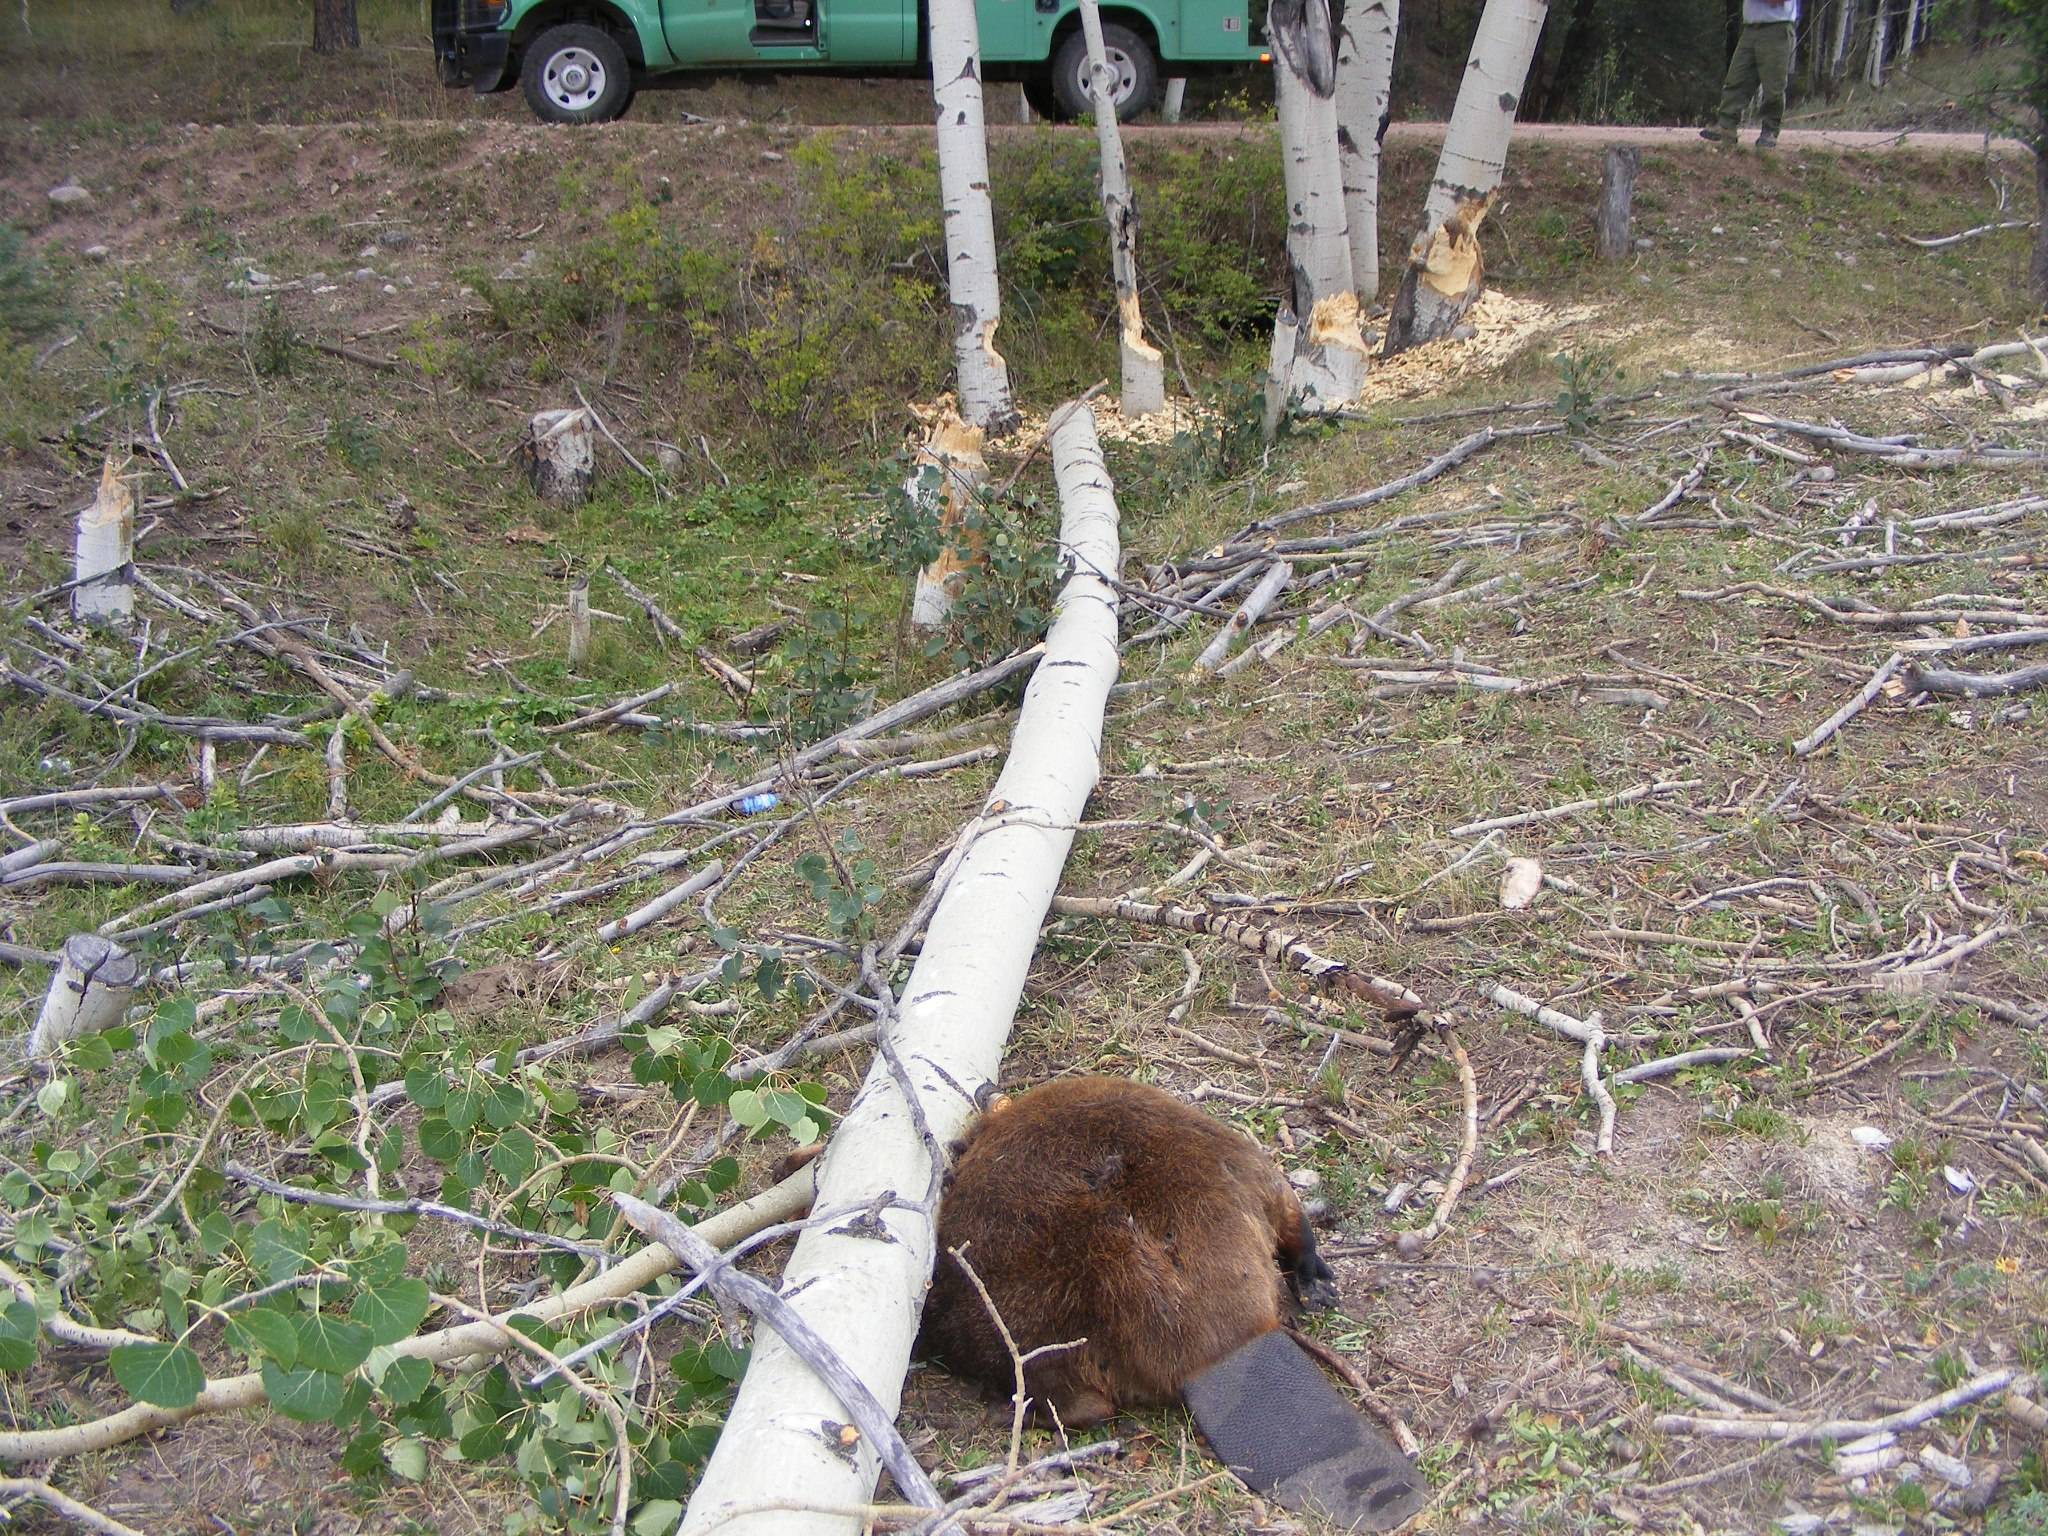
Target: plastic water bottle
{"points": [[754, 805]]}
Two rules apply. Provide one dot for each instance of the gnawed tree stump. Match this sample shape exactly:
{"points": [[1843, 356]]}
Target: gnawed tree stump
{"points": [[104, 555], [1329, 350], [1446, 274], [1617, 196], [90, 992], [1279, 370], [1141, 368], [949, 472], [559, 454], [579, 623]]}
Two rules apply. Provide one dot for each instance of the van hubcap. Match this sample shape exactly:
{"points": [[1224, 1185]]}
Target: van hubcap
{"points": [[1124, 76], [574, 79]]}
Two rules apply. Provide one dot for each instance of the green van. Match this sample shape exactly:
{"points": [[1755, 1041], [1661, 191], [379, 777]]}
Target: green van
{"points": [[579, 61]]}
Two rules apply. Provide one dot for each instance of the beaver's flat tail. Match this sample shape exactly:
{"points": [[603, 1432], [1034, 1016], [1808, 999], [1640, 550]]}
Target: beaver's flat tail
{"points": [[1272, 1417]]}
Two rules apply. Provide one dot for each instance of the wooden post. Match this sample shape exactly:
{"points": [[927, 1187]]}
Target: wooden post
{"points": [[95, 979], [579, 623], [1141, 369], [1617, 193], [103, 562], [1176, 97], [560, 455]]}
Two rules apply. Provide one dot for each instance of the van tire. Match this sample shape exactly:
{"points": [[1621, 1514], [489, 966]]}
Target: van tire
{"points": [[1138, 73], [576, 74]]}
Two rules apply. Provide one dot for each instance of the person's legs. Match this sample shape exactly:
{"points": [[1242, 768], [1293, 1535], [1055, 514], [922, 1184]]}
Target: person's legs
{"points": [[1772, 58], [1740, 84]]}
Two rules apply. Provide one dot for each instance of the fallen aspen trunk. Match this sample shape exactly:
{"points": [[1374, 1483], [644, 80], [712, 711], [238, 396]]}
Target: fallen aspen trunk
{"points": [[95, 979], [773, 1471]]}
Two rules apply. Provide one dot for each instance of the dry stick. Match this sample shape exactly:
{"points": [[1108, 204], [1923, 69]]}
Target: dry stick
{"points": [[1273, 943], [1664, 1066], [1799, 1431], [655, 910], [1449, 459], [441, 1347], [82, 1515], [609, 713], [1813, 740], [413, 1207], [1018, 1401], [1683, 487], [1976, 685], [1587, 1031], [1874, 618], [1249, 612], [869, 1416], [1411, 1244], [1630, 796], [64, 1328], [1939, 242]]}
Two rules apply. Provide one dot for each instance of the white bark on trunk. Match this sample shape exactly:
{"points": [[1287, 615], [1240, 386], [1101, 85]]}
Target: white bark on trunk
{"points": [[95, 979], [1176, 98], [860, 1293], [969, 217], [104, 555], [1365, 78], [949, 472], [560, 454], [1845, 18], [1279, 370], [1141, 369], [1445, 274], [1908, 37], [1329, 352], [1880, 35]]}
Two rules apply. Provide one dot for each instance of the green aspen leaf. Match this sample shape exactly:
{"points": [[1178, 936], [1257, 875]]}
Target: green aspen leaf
{"points": [[332, 1343], [267, 1333], [90, 1053], [657, 1517], [405, 1379], [804, 1131], [53, 1095], [392, 1311], [746, 1107], [514, 1155], [162, 1375], [309, 1396], [721, 1174], [408, 1458], [426, 1087], [439, 1140], [19, 1328]]}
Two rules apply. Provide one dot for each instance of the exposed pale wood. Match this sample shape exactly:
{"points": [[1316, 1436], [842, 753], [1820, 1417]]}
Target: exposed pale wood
{"points": [[1141, 368], [103, 563], [559, 453], [948, 473], [90, 992]]}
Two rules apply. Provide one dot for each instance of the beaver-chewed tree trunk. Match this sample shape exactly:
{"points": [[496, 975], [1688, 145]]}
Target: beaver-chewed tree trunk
{"points": [[1141, 369], [969, 215], [103, 555], [781, 1468], [1445, 274], [90, 992], [946, 478], [1329, 354], [559, 453], [1365, 78]]}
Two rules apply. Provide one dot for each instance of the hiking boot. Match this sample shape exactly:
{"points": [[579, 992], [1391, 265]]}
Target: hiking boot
{"points": [[1768, 139], [1717, 135]]}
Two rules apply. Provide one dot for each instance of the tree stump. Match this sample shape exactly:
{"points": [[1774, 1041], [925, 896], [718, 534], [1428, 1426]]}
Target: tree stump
{"points": [[948, 473], [104, 555], [1617, 195], [559, 454], [95, 979]]}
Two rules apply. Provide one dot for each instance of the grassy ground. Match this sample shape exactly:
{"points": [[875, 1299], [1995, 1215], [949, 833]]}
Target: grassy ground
{"points": [[764, 300]]}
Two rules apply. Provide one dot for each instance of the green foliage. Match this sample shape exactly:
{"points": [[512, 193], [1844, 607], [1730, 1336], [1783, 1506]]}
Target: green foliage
{"points": [[1587, 377], [274, 343], [31, 302], [847, 883]]}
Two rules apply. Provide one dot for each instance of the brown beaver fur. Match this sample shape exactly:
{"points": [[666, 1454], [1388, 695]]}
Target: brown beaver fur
{"points": [[1100, 1209]]}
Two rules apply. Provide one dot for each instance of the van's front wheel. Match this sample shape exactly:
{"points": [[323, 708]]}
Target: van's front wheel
{"points": [[576, 74], [1131, 61]]}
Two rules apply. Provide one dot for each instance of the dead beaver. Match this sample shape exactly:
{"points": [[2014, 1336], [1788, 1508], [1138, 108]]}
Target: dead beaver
{"points": [[1108, 1212]]}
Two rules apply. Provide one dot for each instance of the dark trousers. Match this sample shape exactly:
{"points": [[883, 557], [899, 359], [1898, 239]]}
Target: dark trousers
{"points": [[1762, 57]]}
